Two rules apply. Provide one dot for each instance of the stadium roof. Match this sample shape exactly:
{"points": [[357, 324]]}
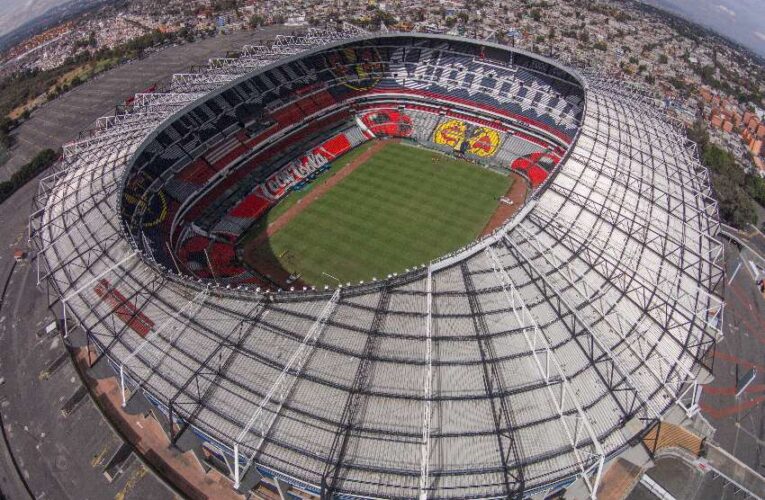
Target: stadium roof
{"points": [[506, 368]]}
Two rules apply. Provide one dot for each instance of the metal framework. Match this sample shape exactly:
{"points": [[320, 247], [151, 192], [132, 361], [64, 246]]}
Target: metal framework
{"points": [[504, 369]]}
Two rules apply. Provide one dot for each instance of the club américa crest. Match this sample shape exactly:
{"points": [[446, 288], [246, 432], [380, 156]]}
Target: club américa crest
{"points": [[358, 69], [138, 199], [479, 141]]}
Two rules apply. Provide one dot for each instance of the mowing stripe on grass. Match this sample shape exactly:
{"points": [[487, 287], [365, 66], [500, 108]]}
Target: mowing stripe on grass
{"points": [[403, 207]]}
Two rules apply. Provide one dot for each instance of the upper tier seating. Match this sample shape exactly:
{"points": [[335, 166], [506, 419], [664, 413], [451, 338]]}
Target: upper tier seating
{"points": [[552, 103]]}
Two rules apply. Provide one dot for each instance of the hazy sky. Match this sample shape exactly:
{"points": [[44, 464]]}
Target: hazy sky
{"points": [[14, 13], [740, 20]]}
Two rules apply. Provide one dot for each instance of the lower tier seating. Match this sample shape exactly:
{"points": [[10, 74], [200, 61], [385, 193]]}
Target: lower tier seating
{"points": [[248, 191]]}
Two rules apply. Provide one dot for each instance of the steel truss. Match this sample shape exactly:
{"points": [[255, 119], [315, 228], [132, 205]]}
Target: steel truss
{"points": [[330, 479], [639, 228], [678, 383], [700, 310], [658, 207], [195, 305], [510, 451], [205, 378], [428, 392], [623, 388], [585, 443], [262, 418]]}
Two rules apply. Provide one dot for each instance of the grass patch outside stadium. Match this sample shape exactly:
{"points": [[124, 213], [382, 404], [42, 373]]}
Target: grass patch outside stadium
{"points": [[401, 208]]}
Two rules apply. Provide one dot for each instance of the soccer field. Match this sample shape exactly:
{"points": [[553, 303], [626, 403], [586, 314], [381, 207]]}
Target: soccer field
{"points": [[401, 208]]}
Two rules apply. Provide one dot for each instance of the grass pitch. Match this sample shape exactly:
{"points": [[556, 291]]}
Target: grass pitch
{"points": [[403, 207], [295, 196]]}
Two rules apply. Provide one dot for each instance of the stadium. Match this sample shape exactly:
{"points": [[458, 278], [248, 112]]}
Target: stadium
{"points": [[499, 359]]}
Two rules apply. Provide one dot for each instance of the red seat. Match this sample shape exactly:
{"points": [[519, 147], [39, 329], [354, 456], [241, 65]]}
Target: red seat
{"points": [[251, 207], [337, 145]]}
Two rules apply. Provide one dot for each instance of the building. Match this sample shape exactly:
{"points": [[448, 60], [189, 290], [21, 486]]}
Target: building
{"points": [[516, 365]]}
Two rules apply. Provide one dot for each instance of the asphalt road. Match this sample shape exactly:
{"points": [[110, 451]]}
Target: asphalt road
{"points": [[685, 482], [740, 422], [757, 241], [58, 456]]}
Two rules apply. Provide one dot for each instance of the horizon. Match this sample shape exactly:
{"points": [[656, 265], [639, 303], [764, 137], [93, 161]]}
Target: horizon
{"points": [[18, 12], [742, 21]]}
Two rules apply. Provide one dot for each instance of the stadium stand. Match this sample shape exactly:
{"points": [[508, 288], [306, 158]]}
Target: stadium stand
{"points": [[509, 368]]}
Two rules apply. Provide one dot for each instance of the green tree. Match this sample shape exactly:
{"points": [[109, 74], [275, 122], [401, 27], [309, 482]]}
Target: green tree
{"points": [[733, 188]]}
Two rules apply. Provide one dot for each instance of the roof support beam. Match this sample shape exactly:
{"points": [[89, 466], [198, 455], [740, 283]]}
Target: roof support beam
{"points": [[331, 478], [601, 254], [623, 388], [426, 413], [636, 343], [197, 301], [590, 456], [511, 454], [183, 396], [261, 419]]}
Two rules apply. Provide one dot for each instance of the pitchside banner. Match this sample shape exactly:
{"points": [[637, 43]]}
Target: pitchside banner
{"points": [[295, 171]]}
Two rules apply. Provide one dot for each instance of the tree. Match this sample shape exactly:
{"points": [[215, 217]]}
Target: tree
{"points": [[734, 188], [256, 21], [698, 133], [755, 187], [736, 208], [186, 34]]}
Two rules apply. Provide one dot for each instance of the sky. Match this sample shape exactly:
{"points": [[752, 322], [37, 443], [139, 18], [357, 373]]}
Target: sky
{"points": [[740, 20], [14, 13]]}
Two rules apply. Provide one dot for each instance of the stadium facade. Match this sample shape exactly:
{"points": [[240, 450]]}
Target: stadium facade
{"points": [[511, 367]]}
